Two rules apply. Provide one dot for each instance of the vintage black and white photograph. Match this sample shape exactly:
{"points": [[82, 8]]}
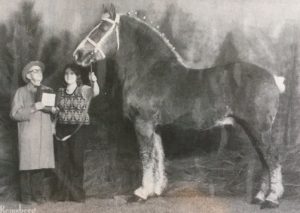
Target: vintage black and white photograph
{"points": [[137, 106]]}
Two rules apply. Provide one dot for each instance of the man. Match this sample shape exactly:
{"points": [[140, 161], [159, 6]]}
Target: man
{"points": [[36, 152]]}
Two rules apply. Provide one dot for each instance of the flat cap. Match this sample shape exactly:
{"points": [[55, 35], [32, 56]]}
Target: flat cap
{"points": [[28, 66]]}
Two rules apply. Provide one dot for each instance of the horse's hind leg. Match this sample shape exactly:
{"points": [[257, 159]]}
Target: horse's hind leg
{"points": [[160, 180], [152, 156], [271, 188], [274, 175]]}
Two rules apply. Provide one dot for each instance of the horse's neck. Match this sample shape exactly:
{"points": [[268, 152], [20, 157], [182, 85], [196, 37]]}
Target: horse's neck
{"points": [[140, 47]]}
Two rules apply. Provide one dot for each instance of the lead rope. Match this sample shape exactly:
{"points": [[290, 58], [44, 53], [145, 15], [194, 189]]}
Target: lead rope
{"points": [[77, 128]]}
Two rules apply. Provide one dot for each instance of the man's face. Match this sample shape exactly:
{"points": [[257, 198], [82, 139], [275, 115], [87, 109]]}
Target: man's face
{"points": [[35, 75]]}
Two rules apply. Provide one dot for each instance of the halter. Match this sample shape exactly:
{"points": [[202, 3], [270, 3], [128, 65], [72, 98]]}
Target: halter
{"points": [[98, 46]]}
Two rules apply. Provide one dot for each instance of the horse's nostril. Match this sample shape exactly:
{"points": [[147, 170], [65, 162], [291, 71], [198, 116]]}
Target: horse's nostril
{"points": [[77, 55]]}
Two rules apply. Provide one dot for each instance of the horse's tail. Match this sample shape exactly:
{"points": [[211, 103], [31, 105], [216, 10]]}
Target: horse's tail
{"points": [[279, 80]]}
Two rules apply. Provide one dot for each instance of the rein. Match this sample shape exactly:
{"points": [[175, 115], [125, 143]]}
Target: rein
{"points": [[98, 45], [68, 136]]}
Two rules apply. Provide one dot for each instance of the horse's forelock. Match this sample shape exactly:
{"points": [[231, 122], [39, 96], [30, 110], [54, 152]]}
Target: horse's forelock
{"points": [[110, 11]]}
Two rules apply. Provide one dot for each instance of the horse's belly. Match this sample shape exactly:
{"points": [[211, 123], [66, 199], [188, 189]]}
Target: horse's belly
{"points": [[196, 117]]}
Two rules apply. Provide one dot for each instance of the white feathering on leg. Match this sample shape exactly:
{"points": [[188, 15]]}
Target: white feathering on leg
{"points": [[147, 188], [262, 192], [160, 177], [276, 186], [148, 176]]}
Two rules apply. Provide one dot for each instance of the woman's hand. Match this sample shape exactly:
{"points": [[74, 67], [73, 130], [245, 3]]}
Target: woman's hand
{"points": [[54, 110], [94, 84], [92, 77]]}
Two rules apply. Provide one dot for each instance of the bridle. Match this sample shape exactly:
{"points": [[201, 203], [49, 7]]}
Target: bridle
{"points": [[98, 45]]}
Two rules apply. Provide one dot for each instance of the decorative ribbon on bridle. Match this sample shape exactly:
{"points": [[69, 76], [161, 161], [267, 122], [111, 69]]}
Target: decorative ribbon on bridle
{"points": [[98, 45]]}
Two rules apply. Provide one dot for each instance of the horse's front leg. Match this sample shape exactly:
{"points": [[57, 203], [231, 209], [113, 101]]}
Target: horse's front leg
{"points": [[160, 178], [152, 156]]}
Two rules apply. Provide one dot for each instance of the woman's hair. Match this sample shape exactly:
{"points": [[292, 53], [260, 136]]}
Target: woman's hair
{"points": [[77, 70]]}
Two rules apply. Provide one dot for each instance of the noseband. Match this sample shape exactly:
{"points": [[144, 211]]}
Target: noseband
{"points": [[98, 46]]}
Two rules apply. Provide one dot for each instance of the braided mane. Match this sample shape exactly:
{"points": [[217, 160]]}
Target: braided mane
{"points": [[161, 36]]}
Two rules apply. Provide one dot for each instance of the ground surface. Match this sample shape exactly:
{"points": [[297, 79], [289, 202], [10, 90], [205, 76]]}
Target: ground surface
{"points": [[196, 204]]}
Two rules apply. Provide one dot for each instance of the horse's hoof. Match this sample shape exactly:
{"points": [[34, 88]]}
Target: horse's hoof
{"points": [[269, 205], [256, 201], [135, 199]]}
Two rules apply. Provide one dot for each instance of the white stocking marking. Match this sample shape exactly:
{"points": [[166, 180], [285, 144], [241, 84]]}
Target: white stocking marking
{"points": [[159, 173], [276, 186], [263, 191]]}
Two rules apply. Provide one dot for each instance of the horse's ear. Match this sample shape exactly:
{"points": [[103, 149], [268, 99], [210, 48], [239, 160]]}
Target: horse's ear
{"points": [[105, 12], [104, 8], [108, 11], [112, 11]]}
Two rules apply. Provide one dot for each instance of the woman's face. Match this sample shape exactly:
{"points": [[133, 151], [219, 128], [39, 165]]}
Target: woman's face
{"points": [[70, 77]]}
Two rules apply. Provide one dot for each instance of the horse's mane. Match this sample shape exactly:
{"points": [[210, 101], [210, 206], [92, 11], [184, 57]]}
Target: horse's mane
{"points": [[158, 38]]}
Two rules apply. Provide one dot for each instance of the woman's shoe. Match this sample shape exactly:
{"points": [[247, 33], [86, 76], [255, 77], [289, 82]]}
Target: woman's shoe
{"points": [[60, 198]]}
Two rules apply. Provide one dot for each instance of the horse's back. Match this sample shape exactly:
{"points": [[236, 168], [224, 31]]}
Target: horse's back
{"points": [[202, 97]]}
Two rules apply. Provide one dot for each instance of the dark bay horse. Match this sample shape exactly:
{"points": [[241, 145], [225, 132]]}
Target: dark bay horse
{"points": [[158, 89]]}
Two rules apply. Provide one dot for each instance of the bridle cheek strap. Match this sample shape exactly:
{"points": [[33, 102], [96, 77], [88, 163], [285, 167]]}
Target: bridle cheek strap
{"points": [[95, 47], [98, 45], [115, 24]]}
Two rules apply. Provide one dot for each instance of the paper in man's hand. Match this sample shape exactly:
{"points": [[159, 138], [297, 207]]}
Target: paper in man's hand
{"points": [[48, 99]]}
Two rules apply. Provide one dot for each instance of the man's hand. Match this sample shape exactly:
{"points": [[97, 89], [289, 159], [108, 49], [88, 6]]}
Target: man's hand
{"points": [[54, 110], [39, 105]]}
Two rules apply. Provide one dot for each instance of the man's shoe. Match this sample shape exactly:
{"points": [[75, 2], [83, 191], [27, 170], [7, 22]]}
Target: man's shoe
{"points": [[60, 197], [40, 200], [26, 202]]}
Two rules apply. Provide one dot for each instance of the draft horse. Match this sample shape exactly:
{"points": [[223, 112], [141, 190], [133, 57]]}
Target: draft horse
{"points": [[159, 89]]}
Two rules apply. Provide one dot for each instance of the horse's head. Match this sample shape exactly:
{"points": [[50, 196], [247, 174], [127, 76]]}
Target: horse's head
{"points": [[101, 42]]}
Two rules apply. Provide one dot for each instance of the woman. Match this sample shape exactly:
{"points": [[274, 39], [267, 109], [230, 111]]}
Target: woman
{"points": [[73, 101], [36, 152]]}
